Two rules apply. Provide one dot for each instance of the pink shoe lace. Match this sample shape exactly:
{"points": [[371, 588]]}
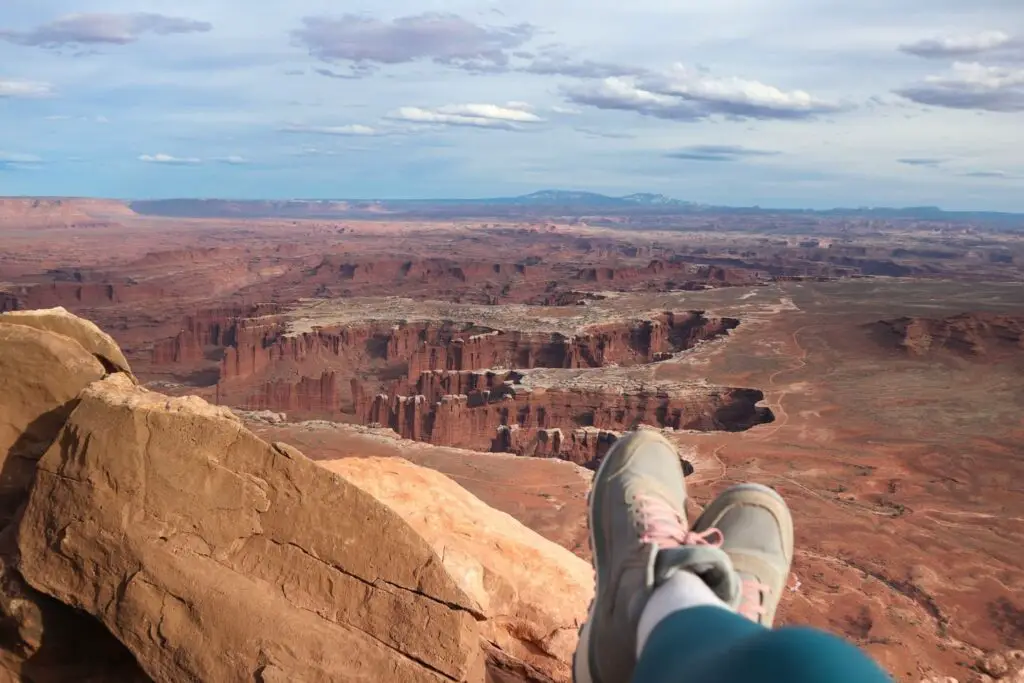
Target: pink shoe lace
{"points": [[751, 606], [663, 526]]}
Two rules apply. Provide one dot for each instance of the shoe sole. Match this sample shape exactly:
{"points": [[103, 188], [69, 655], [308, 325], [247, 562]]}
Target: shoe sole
{"points": [[582, 666]]}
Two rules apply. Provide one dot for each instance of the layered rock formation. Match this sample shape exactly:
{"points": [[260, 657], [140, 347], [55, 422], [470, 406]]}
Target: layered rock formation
{"points": [[598, 346], [266, 365], [212, 327], [78, 295], [499, 412], [211, 555], [967, 334]]}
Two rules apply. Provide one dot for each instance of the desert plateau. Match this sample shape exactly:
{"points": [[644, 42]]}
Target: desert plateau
{"points": [[461, 379]]}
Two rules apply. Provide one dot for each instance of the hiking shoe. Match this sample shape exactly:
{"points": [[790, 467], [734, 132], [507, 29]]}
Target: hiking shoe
{"points": [[639, 538], [758, 536]]}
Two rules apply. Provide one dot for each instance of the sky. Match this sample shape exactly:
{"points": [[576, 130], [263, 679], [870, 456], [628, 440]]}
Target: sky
{"points": [[776, 103]]}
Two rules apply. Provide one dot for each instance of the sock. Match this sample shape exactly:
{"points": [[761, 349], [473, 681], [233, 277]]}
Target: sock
{"points": [[680, 591]]}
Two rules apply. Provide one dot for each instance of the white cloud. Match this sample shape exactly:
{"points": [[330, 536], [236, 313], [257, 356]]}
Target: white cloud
{"points": [[958, 46], [688, 94], [169, 160], [24, 89], [970, 85], [444, 38], [354, 129], [15, 158], [65, 117], [473, 115], [233, 160], [99, 27], [974, 75]]}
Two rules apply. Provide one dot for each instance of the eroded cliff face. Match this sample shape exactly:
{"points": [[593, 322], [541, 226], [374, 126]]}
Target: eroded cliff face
{"points": [[251, 346], [458, 383], [599, 346], [212, 327], [967, 334], [497, 412]]}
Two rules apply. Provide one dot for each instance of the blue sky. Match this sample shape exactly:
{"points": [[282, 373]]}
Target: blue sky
{"points": [[814, 103]]}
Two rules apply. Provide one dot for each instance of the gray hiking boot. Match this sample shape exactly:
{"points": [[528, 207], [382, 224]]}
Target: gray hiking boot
{"points": [[639, 538], [758, 532]]}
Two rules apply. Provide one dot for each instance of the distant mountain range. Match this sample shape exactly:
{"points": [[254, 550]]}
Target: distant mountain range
{"points": [[546, 203]]}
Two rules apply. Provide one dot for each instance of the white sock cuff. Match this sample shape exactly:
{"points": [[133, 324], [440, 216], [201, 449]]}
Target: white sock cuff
{"points": [[681, 591]]}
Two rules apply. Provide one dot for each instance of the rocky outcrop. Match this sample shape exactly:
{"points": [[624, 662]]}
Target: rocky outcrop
{"points": [[215, 556], [212, 327], [46, 359], [235, 565], [77, 296], [967, 334], [477, 410], [41, 374], [628, 343], [507, 569], [86, 333], [310, 396], [584, 446]]}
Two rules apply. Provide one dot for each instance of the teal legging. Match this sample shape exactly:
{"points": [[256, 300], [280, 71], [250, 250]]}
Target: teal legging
{"points": [[713, 645]]}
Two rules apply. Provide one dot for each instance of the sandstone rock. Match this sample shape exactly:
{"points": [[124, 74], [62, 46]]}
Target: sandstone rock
{"points": [[86, 333], [43, 641], [1005, 667], [994, 664], [533, 593], [214, 556], [41, 373]]}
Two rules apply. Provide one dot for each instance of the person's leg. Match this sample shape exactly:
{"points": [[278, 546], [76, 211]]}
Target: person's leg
{"points": [[708, 645], [647, 563], [712, 645], [678, 606]]}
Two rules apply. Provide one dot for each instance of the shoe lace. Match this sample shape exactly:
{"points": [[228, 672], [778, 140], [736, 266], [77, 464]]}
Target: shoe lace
{"points": [[663, 526], [751, 604]]}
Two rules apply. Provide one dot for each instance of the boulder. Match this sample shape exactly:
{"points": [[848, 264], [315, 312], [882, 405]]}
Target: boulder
{"points": [[214, 556], [85, 332], [41, 640], [533, 593], [41, 374]]}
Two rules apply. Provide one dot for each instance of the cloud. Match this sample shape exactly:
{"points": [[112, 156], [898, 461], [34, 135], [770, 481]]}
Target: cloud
{"points": [[959, 46], [921, 161], [563, 65], [65, 117], [506, 117], [169, 160], [24, 89], [610, 135], [970, 85], [718, 153], [987, 174], [232, 160], [356, 71], [16, 158], [102, 28], [686, 94], [443, 38], [354, 129]]}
